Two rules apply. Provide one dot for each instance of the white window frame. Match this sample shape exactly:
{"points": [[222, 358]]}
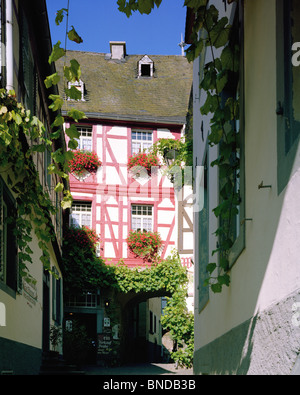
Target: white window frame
{"points": [[139, 138], [86, 134], [82, 210], [146, 61], [141, 217]]}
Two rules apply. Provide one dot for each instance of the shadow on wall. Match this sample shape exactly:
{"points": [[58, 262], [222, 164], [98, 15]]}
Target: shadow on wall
{"points": [[236, 348]]}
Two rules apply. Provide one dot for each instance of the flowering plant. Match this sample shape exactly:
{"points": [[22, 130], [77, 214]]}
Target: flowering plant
{"points": [[84, 160], [143, 159], [83, 237], [144, 244]]}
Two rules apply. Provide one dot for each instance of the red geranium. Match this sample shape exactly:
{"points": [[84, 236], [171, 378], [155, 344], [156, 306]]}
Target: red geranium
{"points": [[84, 160], [83, 237], [143, 159], [144, 244]]}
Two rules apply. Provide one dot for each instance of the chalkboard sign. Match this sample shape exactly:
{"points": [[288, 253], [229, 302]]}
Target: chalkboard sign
{"points": [[104, 343]]}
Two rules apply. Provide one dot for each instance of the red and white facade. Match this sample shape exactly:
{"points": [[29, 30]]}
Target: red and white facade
{"points": [[114, 201]]}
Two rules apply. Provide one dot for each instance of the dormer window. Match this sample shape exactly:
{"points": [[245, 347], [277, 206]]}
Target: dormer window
{"points": [[145, 67], [117, 50], [79, 85]]}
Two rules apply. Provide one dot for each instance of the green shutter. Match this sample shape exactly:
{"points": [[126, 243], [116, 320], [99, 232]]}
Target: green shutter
{"points": [[29, 75], [288, 123]]}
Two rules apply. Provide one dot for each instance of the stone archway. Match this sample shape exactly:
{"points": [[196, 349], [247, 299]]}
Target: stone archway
{"points": [[140, 342]]}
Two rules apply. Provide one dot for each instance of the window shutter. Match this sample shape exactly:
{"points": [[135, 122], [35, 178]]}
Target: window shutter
{"points": [[58, 301], [29, 78], [53, 294]]}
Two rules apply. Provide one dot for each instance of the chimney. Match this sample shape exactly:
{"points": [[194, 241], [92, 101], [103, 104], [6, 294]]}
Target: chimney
{"points": [[117, 49]]}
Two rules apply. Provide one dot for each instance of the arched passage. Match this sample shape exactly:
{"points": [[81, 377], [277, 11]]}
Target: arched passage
{"points": [[141, 335]]}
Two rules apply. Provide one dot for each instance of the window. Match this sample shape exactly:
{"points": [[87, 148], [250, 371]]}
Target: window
{"points": [[141, 141], [145, 70], [236, 222], [56, 297], [88, 300], [151, 322], [288, 95], [142, 217], [8, 247], [145, 67], [81, 214], [85, 141]]}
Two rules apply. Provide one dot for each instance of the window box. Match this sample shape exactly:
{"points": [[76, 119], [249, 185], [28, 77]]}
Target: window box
{"points": [[142, 162], [84, 163], [145, 245]]}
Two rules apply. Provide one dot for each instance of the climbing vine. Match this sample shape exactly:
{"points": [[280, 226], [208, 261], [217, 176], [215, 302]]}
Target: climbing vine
{"points": [[22, 135], [86, 271], [219, 82], [34, 206]]}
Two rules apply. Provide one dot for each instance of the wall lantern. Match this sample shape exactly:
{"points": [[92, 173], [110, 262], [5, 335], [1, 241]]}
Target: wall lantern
{"points": [[170, 156]]}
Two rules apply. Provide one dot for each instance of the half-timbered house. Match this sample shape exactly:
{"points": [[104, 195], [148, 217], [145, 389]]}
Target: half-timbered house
{"points": [[130, 102]]}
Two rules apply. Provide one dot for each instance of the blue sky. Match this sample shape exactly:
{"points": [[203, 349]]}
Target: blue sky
{"points": [[100, 21]]}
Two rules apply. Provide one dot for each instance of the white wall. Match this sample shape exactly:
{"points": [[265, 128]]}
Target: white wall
{"points": [[267, 272]]}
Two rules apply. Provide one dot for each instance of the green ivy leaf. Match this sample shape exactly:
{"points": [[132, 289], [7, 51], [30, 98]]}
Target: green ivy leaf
{"points": [[72, 144], [74, 36], [72, 132], [57, 53], [58, 156], [60, 16], [224, 279], [76, 114], [215, 136], [195, 3], [38, 148], [67, 200], [219, 34], [216, 288], [230, 58], [57, 102], [211, 267], [211, 104], [72, 73], [52, 79], [73, 93], [59, 187], [17, 118], [59, 121]]}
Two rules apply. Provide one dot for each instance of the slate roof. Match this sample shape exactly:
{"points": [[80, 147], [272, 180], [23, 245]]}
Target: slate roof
{"points": [[113, 90]]}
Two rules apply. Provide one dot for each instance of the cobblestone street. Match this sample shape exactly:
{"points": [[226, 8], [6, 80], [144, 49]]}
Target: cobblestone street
{"points": [[139, 369]]}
